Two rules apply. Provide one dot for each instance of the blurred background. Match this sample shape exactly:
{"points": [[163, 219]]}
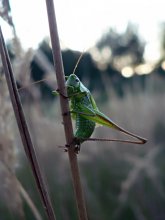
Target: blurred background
{"points": [[124, 67]]}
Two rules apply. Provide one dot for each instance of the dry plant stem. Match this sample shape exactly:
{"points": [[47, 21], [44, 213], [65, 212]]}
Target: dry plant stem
{"points": [[24, 194], [65, 108], [29, 201], [24, 132]]}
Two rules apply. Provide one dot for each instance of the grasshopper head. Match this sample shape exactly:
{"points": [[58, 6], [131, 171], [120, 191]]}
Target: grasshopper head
{"points": [[72, 84]]}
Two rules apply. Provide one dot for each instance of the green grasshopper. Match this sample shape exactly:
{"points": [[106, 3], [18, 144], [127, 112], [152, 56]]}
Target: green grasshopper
{"points": [[85, 112]]}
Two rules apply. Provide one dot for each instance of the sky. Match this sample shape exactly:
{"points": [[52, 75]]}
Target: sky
{"points": [[82, 23]]}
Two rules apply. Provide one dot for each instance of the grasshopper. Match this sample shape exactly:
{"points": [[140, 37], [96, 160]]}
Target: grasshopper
{"points": [[86, 114]]}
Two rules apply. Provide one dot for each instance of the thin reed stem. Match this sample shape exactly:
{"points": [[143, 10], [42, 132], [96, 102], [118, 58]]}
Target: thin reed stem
{"points": [[64, 109], [23, 129], [24, 194]]}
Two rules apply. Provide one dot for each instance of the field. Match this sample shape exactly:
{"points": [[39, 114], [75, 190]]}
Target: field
{"points": [[120, 181]]}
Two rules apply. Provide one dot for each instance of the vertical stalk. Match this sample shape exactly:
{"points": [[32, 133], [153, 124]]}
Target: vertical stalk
{"points": [[65, 108], [24, 131]]}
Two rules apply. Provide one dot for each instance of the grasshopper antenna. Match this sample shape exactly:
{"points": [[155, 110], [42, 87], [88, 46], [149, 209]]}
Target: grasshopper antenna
{"points": [[32, 83], [78, 61], [47, 78]]}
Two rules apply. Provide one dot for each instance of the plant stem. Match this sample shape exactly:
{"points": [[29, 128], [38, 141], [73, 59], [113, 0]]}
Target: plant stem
{"points": [[23, 129], [24, 194], [64, 109]]}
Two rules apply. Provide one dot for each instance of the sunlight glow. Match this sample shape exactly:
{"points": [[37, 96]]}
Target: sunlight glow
{"points": [[163, 65], [127, 71], [95, 54], [144, 69], [106, 53]]}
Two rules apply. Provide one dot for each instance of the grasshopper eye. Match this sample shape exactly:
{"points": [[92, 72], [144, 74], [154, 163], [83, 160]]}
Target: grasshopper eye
{"points": [[77, 80]]}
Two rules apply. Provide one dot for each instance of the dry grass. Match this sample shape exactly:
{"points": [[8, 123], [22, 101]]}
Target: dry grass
{"points": [[9, 189], [126, 168], [119, 180]]}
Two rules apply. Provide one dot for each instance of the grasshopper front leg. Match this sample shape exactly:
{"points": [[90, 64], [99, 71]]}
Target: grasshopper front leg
{"points": [[57, 92], [76, 143]]}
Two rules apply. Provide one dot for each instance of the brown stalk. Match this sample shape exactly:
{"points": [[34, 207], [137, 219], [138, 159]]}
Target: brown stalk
{"points": [[23, 129], [65, 109]]}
